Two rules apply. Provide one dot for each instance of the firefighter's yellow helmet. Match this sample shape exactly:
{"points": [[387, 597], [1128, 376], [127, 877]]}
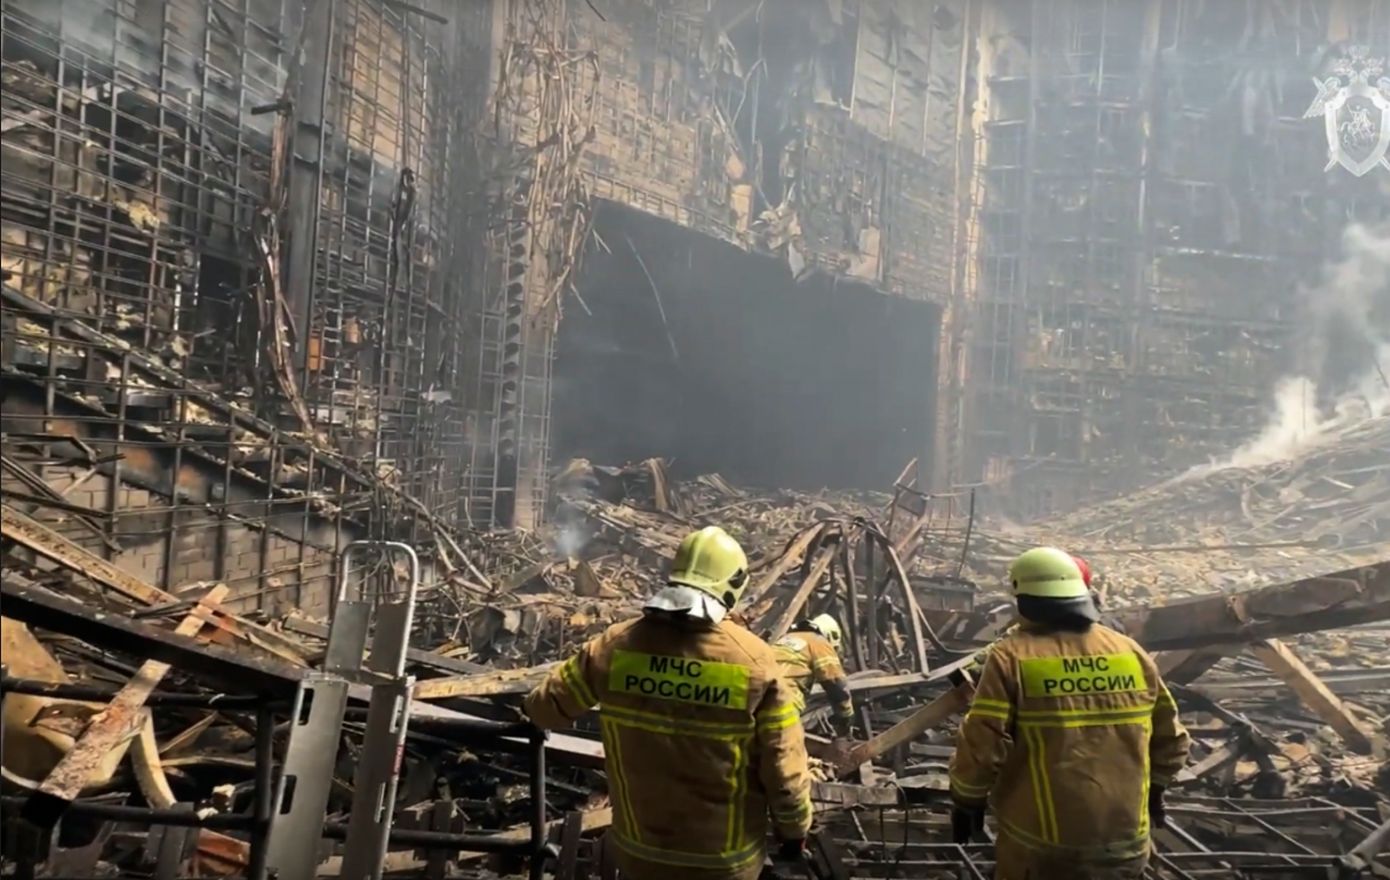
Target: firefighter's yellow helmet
{"points": [[1047, 573], [712, 562], [828, 627]]}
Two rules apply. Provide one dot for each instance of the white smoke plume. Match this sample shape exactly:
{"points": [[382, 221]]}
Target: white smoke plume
{"points": [[1343, 379]]}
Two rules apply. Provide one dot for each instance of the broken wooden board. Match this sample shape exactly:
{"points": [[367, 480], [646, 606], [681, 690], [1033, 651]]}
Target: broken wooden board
{"points": [[789, 558], [1286, 664], [35, 536], [784, 620], [47, 543], [110, 730], [241, 671], [485, 684], [1342, 599], [954, 701], [1185, 667], [841, 795], [39, 730]]}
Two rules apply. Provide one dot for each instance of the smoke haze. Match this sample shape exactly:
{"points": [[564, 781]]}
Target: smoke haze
{"points": [[1342, 378]]}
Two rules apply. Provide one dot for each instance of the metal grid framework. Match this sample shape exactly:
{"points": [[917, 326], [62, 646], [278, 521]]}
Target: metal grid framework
{"points": [[1128, 215], [1207, 838], [542, 111], [144, 145]]}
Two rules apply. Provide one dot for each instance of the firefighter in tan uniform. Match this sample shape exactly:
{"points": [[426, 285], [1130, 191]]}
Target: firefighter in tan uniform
{"points": [[810, 655], [977, 660], [701, 735], [1071, 737]]}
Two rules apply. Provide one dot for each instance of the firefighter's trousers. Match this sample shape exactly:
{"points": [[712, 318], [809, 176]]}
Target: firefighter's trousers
{"points": [[1016, 862]]}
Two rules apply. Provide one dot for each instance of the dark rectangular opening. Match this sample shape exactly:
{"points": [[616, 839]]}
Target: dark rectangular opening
{"points": [[769, 381]]}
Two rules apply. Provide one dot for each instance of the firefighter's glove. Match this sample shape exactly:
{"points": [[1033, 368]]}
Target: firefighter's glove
{"points": [[966, 823], [791, 850], [1158, 814]]}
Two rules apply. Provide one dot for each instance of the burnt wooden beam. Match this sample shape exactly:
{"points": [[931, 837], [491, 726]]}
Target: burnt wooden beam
{"points": [[783, 622], [1345, 598], [954, 701], [788, 559], [34, 535], [840, 795], [1286, 664], [111, 728], [238, 671], [492, 683], [1184, 667]]}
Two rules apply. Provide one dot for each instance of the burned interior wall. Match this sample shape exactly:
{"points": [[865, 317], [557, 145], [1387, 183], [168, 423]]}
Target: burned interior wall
{"points": [[226, 261], [1148, 200], [738, 122]]}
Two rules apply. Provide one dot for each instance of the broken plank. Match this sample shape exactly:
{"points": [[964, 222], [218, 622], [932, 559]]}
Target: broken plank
{"points": [[1342, 599], [843, 794], [235, 670], [783, 623], [110, 729], [240, 671], [488, 684], [1341, 682], [49, 544], [189, 735], [789, 559], [35, 536], [1220, 758], [1185, 667], [955, 700], [1286, 664], [278, 646], [149, 770], [872, 680]]}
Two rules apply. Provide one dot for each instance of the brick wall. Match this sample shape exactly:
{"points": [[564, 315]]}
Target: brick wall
{"points": [[266, 568]]}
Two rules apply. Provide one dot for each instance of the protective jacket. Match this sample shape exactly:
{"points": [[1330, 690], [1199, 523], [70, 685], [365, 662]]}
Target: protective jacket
{"points": [[1067, 731], [702, 740], [808, 659]]}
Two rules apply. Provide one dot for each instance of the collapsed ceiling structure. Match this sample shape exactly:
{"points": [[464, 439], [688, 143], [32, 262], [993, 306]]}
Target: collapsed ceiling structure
{"points": [[304, 303]]}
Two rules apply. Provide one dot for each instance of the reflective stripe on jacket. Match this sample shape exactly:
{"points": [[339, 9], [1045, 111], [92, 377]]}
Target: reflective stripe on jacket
{"points": [[807, 659], [701, 736], [1066, 733]]}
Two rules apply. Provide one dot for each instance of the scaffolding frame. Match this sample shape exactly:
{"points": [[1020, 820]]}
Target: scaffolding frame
{"points": [[1283, 845]]}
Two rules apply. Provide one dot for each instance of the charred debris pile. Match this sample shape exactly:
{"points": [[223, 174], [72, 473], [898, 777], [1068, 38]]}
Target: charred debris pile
{"points": [[1268, 614]]}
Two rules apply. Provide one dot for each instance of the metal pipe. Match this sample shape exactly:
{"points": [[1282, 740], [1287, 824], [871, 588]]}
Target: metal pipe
{"points": [[538, 829], [476, 728], [145, 815], [1367, 850], [265, 793], [482, 843]]}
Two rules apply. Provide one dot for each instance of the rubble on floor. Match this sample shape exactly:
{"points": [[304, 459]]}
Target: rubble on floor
{"points": [[1222, 527], [1285, 684]]}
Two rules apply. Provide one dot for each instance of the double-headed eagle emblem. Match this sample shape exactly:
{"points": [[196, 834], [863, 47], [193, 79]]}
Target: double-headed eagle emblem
{"points": [[1354, 102]]}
